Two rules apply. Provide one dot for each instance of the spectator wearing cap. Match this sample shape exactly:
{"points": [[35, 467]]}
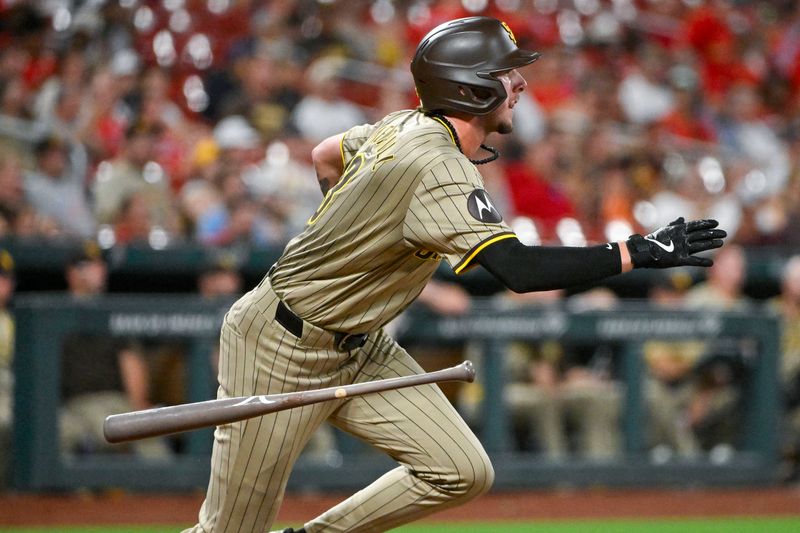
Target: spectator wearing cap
{"points": [[712, 412], [670, 384], [241, 151], [787, 307], [135, 172], [556, 386], [100, 375], [7, 285], [238, 141], [324, 111], [57, 192], [220, 277], [86, 271]]}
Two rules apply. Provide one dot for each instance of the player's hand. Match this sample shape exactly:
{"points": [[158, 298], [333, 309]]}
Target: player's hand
{"points": [[675, 244]]}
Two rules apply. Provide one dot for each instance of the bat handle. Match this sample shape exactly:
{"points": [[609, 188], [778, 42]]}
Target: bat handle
{"points": [[463, 372]]}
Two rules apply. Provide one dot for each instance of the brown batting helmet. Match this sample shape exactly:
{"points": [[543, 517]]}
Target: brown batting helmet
{"points": [[455, 65]]}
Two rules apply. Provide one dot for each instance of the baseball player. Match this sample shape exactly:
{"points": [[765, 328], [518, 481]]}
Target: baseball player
{"points": [[400, 196]]}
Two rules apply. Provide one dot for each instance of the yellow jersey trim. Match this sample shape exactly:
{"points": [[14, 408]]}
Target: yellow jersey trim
{"points": [[475, 251], [440, 121], [341, 150]]}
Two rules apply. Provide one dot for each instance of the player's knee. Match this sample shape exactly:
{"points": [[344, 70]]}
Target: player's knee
{"points": [[473, 478], [483, 476]]}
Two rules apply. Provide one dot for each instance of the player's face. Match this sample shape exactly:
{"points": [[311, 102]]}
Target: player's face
{"points": [[503, 117]]}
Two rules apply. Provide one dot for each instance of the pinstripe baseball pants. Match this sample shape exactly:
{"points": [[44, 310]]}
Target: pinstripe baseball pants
{"points": [[442, 463]]}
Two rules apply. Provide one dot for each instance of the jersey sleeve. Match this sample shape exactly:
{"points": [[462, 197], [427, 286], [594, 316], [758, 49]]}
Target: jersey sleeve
{"points": [[452, 215], [353, 139]]}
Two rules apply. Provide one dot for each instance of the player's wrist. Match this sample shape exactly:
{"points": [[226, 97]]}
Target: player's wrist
{"points": [[638, 250], [626, 263]]}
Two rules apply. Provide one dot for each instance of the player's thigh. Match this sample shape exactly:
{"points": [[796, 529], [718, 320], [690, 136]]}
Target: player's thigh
{"points": [[259, 357], [252, 459], [417, 426]]}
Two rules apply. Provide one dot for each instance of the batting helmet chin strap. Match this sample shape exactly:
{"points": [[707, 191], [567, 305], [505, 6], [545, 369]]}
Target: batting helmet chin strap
{"points": [[495, 154], [494, 151]]}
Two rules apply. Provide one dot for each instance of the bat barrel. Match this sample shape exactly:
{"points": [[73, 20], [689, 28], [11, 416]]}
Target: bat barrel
{"points": [[124, 427], [176, 418], [143, 424]]}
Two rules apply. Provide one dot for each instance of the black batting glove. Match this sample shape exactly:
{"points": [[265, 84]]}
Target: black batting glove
{"points": [[675, 244]]}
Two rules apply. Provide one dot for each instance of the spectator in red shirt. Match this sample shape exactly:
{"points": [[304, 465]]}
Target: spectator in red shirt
{"points": [[688, 118], [707, 31], [534, 188]]}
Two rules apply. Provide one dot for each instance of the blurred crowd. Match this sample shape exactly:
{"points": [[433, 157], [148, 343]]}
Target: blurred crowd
{"points": [[193, 120]]}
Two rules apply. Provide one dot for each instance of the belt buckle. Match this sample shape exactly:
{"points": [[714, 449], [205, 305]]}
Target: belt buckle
{"points": [[350, 341]]}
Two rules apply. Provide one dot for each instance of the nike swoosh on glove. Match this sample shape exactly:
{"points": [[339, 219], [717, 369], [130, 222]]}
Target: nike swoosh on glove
{"points": [[675, 244]]}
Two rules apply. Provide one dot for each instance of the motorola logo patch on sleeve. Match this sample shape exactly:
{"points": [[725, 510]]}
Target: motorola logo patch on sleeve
{"points": [[481, 208]]}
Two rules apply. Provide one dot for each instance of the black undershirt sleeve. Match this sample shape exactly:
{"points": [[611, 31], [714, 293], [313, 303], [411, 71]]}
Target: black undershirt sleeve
{"points": [[524, 268]]}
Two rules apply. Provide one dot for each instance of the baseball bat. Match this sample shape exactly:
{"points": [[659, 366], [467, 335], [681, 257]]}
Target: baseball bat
{"points": [[177, 418]]}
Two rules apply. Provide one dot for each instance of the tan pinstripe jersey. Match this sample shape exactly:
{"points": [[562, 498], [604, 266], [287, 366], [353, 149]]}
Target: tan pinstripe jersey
{"points": [[407, 198]]}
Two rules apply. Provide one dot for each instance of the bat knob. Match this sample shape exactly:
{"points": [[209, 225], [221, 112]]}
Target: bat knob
{"points": [[469, 371]]}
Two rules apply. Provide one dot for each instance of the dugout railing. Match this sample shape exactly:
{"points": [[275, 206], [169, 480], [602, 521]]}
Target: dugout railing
{"points": [[43, 320]]}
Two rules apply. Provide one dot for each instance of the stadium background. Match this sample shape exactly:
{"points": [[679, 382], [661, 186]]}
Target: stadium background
{"points": [[178, 135]]}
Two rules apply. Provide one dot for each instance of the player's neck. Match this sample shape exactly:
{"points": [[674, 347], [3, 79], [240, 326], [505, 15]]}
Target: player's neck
{"points": [[469, 133], [468, 136]]}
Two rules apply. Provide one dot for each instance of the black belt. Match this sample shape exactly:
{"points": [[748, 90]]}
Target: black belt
{"points": [[344, 342]]}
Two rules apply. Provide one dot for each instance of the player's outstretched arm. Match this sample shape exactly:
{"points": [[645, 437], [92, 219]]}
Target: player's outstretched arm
{"points": [[524, 268], [328, 164]]}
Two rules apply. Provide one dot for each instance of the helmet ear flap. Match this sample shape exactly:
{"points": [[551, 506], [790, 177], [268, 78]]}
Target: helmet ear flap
{"points": [[482, 96], [478, 93], [461, 97]]}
